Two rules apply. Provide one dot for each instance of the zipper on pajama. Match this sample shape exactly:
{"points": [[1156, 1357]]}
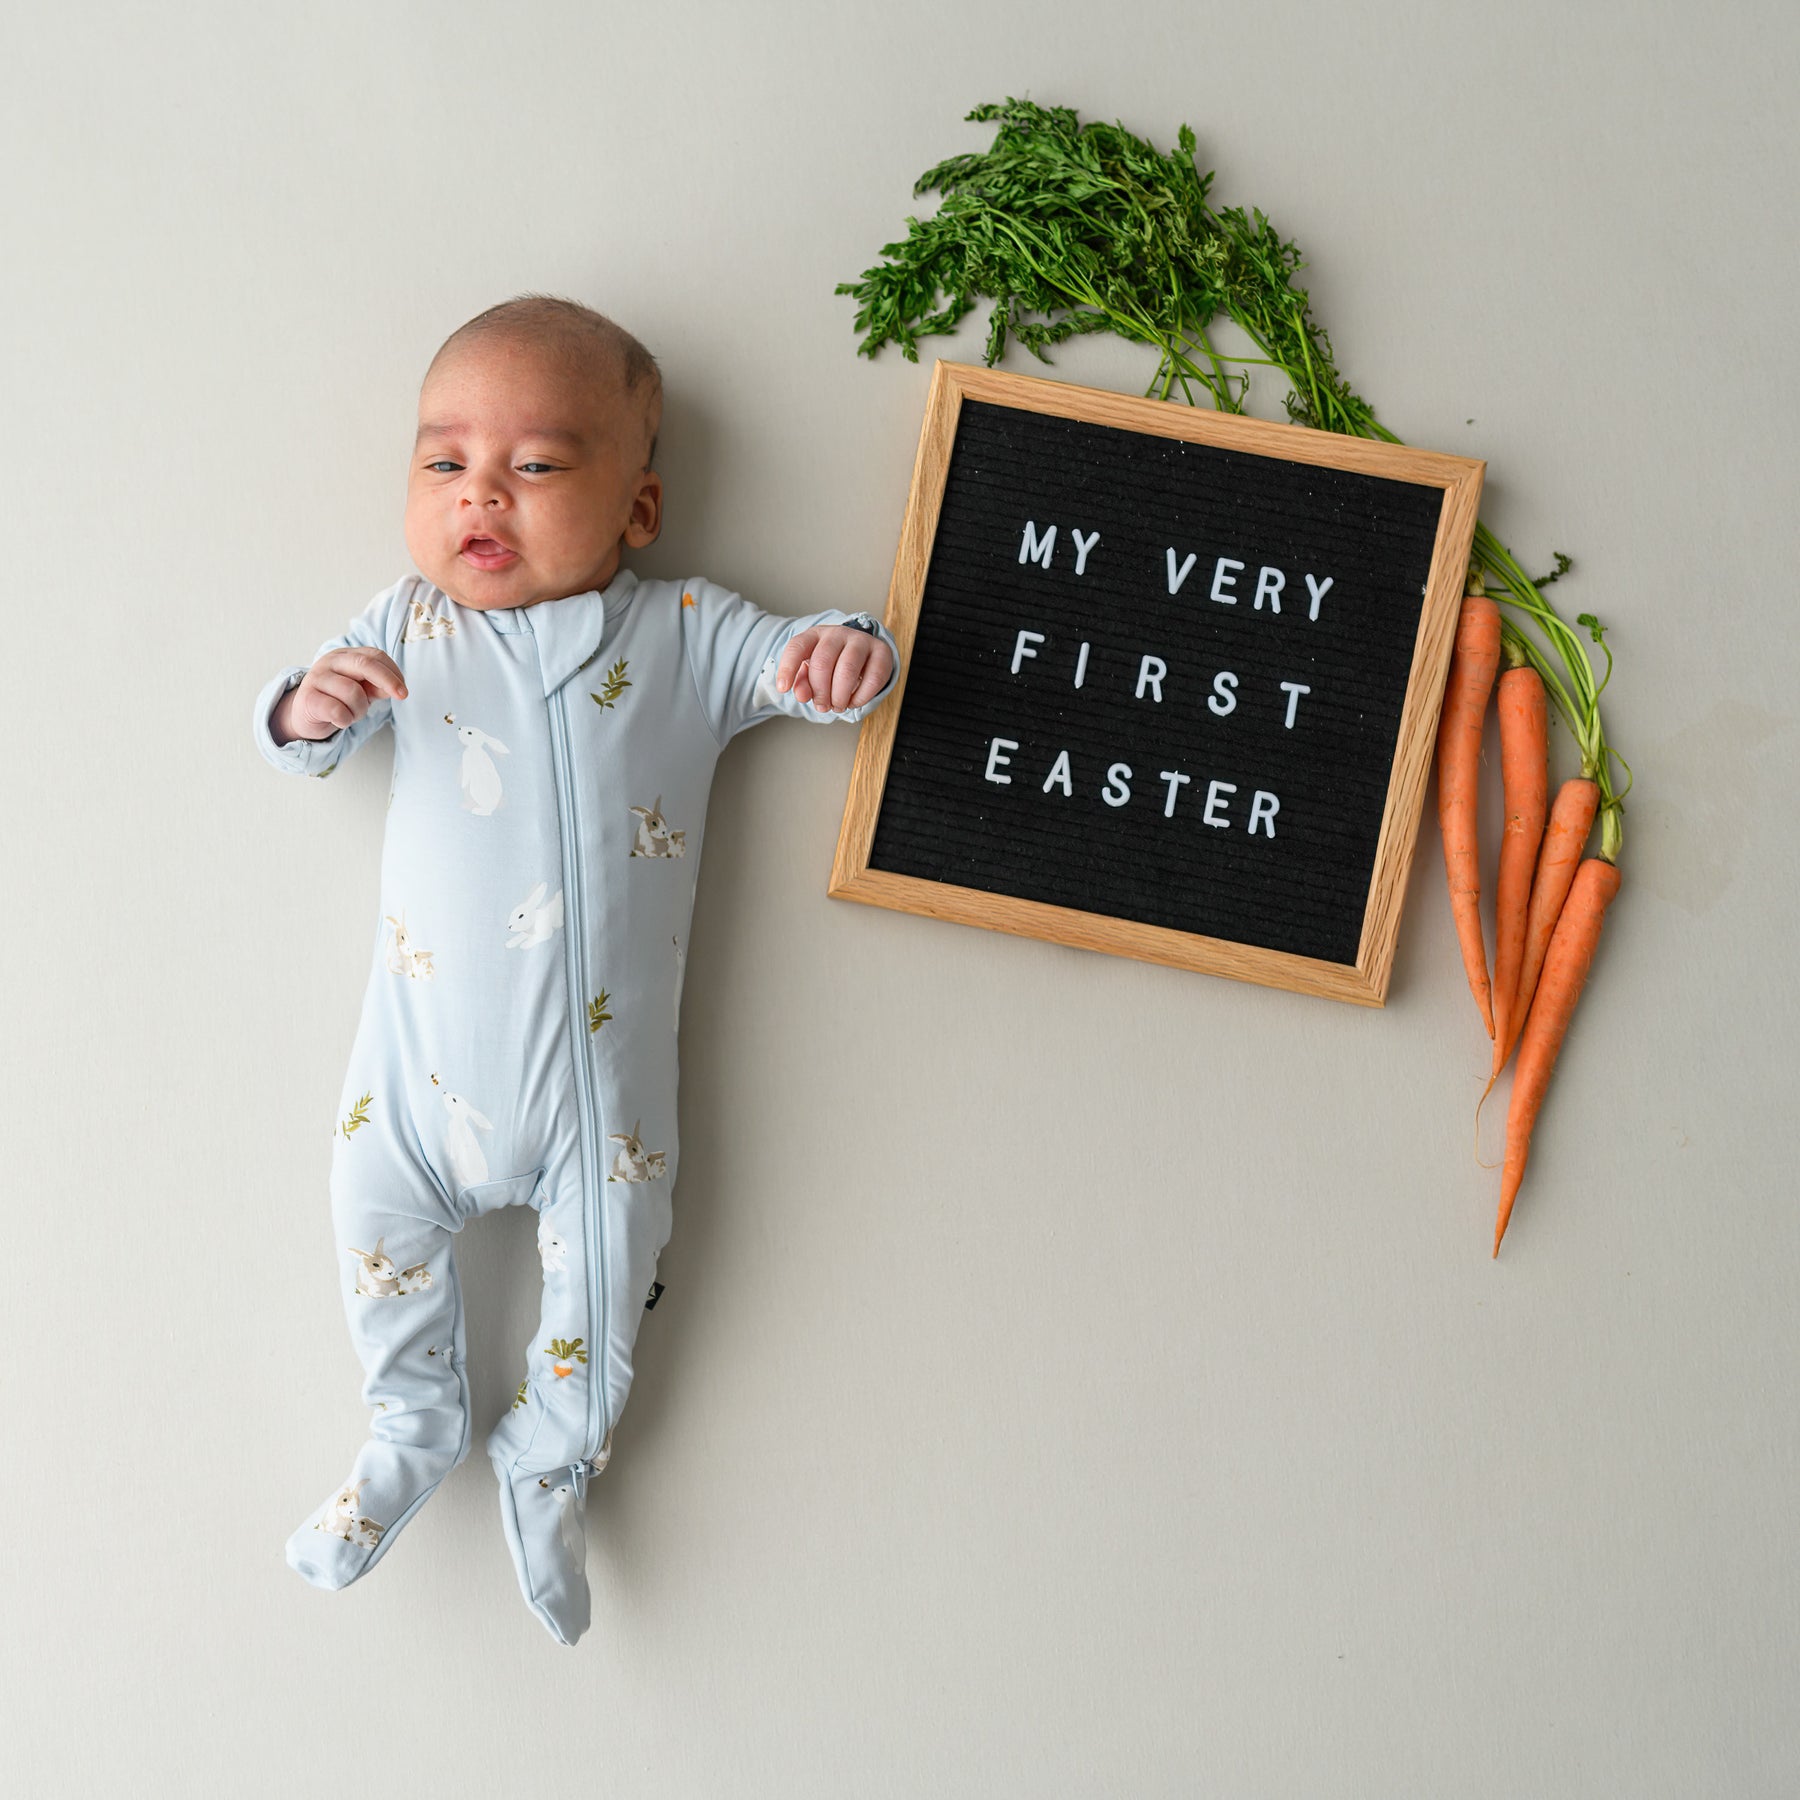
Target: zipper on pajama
{"points": [[575, 946]]}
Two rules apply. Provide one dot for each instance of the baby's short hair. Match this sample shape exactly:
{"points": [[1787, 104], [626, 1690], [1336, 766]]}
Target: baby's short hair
{"points": [[590, 342]]}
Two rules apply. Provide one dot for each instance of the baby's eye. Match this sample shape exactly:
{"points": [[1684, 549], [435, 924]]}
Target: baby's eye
{"points": [[538, 468], [442, 466]]}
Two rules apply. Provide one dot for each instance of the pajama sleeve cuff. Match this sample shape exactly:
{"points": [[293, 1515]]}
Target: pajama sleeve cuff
{"points": [[299, 756]]}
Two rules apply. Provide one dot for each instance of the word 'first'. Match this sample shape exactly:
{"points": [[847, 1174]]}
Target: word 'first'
{"points": [[1117, 790], [1153, 672], [1271, 583]]}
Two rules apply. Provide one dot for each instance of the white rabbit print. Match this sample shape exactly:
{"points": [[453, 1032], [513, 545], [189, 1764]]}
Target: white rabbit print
{"points": [[602, 1456], [535, 920], [344, 1518], [570, 1526], [633, 1162], [468, 1163], [422, 624], [552, 1249], [405, 957], [654, 838], [378, 1279], [480, 779]]}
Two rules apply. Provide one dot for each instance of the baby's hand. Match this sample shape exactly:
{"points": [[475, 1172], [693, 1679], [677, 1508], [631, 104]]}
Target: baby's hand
{"points": [[337, 691], [834, 666]]}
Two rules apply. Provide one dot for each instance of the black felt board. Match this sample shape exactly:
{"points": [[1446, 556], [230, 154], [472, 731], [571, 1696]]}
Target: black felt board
{"points": [[1305, 889]]}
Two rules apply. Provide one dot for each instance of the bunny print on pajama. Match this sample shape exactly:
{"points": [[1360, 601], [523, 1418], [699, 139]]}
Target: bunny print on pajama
{"points": [[517, 1045]]}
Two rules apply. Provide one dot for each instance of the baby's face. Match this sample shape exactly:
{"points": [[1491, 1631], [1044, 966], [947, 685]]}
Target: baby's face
{"points": [[524, 485]]}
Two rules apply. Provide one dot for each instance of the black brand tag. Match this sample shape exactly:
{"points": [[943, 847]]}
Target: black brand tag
{"points": [[656, 1293]]}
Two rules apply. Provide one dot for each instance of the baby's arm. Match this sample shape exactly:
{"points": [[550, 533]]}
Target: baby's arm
{"points": [[747, 663], [307, 720]]}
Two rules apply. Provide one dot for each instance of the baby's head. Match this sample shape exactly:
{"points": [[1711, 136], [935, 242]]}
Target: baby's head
{"points": [[531, 472]]}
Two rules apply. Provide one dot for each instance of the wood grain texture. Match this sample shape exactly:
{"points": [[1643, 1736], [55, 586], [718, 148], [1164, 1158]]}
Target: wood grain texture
{"points": [[1366, 982]]}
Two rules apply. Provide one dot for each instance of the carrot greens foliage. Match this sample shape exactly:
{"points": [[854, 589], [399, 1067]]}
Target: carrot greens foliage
{"points": [[1070, 228]]}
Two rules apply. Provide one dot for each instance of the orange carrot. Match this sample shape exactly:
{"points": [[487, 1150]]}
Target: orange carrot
{"points": [[1566, 965], [1472, 670], [1525, 776], [1571, 819]]}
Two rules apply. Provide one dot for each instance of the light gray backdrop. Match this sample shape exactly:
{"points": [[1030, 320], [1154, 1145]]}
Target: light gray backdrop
{"points": [[1075, 1377]]}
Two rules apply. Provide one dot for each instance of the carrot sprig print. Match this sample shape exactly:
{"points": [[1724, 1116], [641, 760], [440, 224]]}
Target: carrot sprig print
{"points": [[612, 687]]}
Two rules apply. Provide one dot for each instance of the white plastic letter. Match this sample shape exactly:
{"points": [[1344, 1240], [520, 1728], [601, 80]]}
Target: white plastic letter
{"points": [[1118, 776], [1178, 576], [1318, 590], [997, 761], [1221, 580], [1223, 698], [1293, 690], [1023, 647], [1271, 582], [1059, 771], [1216, 795], [1081, 664], [1037, 549], [1150, 674], [1175, 779], [1082, 547], [1263, 806]]}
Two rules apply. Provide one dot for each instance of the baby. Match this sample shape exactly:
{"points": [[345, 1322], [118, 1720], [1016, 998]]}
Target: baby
{"points": [[556, 722]]}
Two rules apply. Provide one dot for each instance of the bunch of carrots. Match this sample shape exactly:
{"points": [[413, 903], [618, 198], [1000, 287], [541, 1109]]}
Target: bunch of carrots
{"points": [[1550, 900]]}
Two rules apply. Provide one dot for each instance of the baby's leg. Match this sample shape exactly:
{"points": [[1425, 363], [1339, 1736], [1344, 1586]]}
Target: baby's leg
{"points": [[540, 1448], [405, 1311]]}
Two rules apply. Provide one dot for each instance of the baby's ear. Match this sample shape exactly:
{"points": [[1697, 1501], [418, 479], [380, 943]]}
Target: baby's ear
{"points": [[644, 526]]}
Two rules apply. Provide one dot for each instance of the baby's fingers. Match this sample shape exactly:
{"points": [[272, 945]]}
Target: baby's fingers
{"points": [[847, 677], [819, 675], [875, 672], [788, 671], [336, 700], [378, 673]]}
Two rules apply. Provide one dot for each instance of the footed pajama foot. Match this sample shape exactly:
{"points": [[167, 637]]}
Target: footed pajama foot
{"points": [[345, 1538], [546, 1531]]}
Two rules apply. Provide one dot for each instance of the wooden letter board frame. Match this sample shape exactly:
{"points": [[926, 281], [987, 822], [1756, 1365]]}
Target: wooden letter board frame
{"points": [[1364, 983]]}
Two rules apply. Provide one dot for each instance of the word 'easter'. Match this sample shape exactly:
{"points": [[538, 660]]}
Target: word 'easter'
{"points": [[1271, 583], [1117, 789]]}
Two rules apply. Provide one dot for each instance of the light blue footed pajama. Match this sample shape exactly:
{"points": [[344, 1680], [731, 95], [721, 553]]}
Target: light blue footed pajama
{"points": [[518, 1037]]}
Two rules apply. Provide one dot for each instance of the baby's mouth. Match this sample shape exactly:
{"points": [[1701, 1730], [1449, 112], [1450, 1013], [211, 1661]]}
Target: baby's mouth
{"points": [[488, 553]]}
